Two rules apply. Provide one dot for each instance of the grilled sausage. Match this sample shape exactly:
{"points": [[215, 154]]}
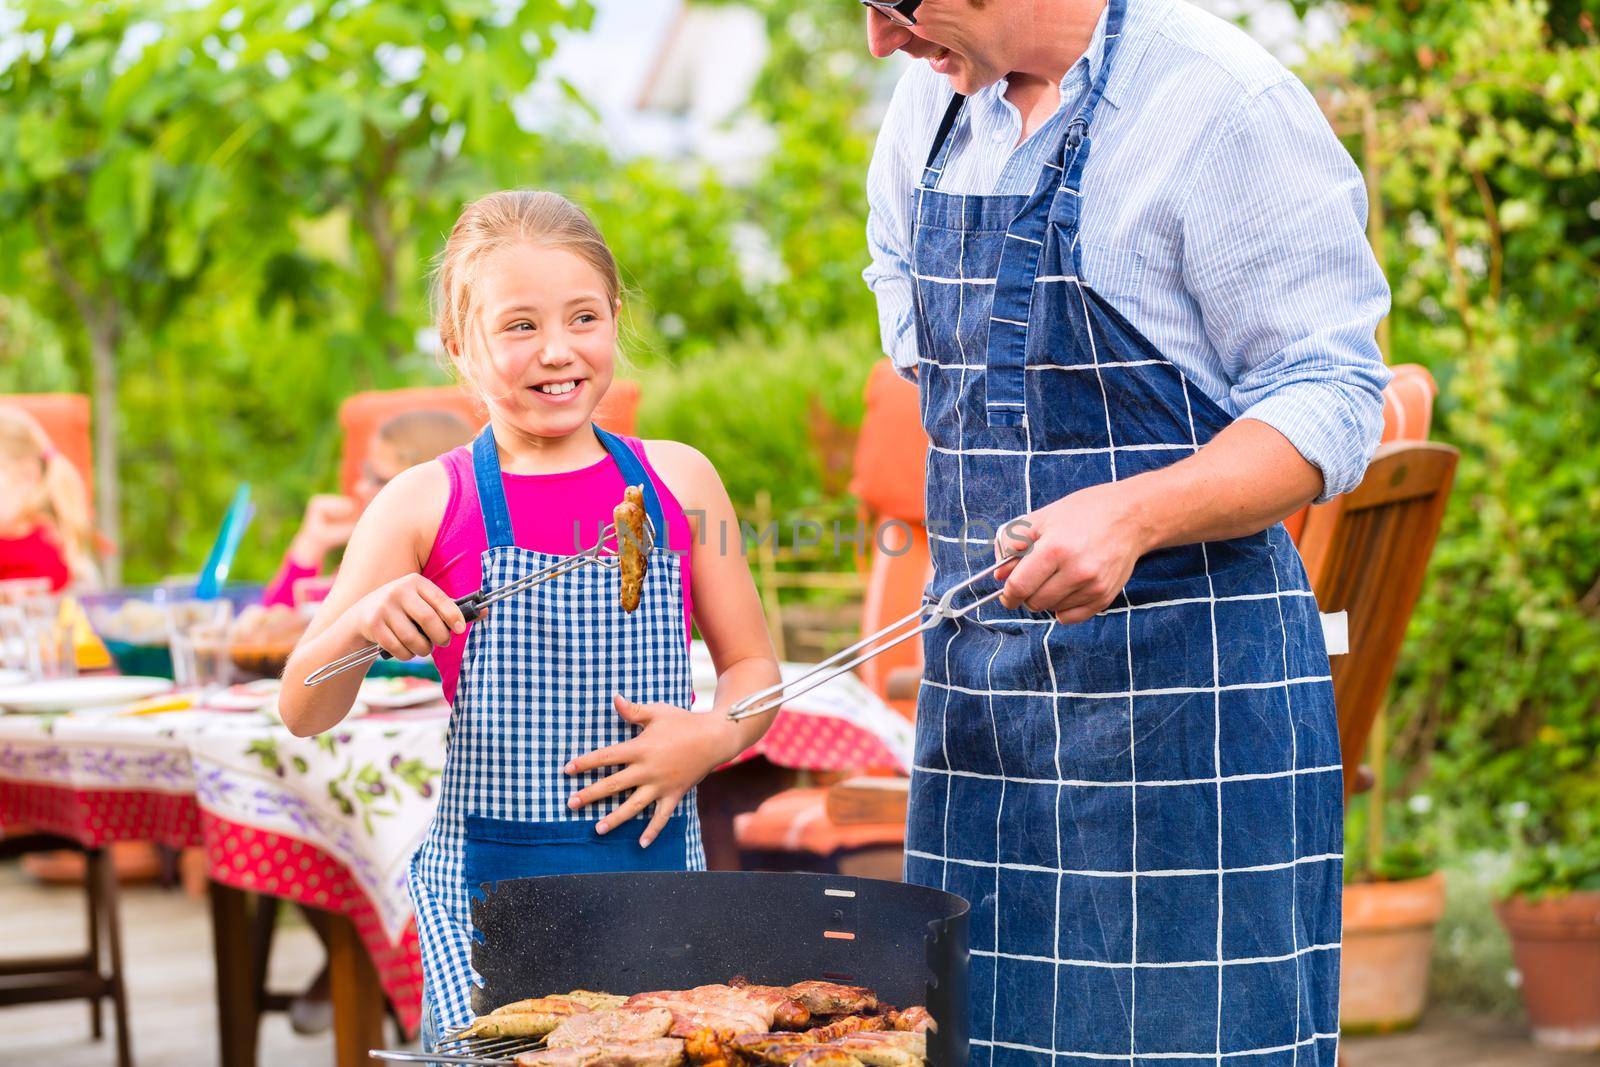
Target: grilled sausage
{"points": [[629, 519]]}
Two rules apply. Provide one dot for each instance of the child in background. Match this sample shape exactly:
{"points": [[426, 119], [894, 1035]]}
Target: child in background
{"points": [[44, 510], [399, 442], [556, 685]]}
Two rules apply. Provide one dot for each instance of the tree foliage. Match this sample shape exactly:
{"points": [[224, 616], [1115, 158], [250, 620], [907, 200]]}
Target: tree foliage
{"points": [[1487, 119]]}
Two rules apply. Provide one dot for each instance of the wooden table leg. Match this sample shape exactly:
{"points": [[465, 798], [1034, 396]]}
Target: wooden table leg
{"points": [[237, 1010], [358, 1002]]}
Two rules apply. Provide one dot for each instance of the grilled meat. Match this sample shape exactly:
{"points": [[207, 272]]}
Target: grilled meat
{"points": [[831, 998], [618, 1026], [773, 1049], [657, 1052], [915, 1019], [719, 1007], [558, 1005], [525, 1018], [885, 1048], [826, 1056], [629, 519], [595, 1001], [787, 1014], [555, 1057], [850, 1024]]}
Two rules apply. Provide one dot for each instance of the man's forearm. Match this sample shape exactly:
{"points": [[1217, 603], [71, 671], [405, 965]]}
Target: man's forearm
{"points": [[1245, 479]]}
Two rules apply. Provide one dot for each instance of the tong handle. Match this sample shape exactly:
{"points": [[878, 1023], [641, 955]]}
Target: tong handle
{"points": [[471, 607]]}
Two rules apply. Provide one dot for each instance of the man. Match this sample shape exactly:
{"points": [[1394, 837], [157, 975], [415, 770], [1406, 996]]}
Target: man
{"points": [[1147, 354]]}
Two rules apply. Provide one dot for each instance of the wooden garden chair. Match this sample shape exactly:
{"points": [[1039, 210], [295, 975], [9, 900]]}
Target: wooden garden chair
{"points": [[1407, 416], [93, 974], [851, 827], [1366, 554]]}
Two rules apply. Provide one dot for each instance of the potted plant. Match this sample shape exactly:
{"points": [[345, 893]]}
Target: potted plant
{"points": [[1393, 899], [1551, 908]]}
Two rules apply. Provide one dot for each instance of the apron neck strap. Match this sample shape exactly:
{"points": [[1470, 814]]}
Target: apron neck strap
{"points": [[492, 492], [633, 473], [940, 152]]}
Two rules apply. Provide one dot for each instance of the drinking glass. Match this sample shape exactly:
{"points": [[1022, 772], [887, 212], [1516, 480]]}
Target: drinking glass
{"points": [[49, 643], [200, 635]]}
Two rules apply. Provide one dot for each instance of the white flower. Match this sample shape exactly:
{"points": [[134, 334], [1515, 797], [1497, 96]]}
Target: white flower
{"points": [[1518, 810], [1514, 978], [1420, 804]]}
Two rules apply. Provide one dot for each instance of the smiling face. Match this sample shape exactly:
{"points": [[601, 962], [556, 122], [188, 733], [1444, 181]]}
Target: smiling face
{"points": [[549, 336], [966, 41]]}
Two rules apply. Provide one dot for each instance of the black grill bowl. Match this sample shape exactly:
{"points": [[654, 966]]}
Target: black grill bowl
{"points": [[632, 932]]}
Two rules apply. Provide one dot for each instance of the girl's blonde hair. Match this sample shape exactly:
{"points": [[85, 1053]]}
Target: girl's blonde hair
{"points": [[487, 225], [62, 502]]}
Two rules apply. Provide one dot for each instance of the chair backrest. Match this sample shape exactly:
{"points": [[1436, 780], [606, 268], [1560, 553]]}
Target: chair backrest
{"points": [[890, 472], [1407, 416], [65, 418], [363, 413], [1371, 548]]}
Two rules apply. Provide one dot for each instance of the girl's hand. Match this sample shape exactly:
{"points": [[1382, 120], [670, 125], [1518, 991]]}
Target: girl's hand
{"points": [[408, 617], [673, 751]]}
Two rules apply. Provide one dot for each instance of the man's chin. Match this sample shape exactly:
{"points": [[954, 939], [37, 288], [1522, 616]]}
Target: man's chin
{"points": [[967, 82]]}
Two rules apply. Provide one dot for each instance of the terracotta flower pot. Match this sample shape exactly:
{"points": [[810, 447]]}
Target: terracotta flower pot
{"points": [[1556, 945], [1388, 949]]}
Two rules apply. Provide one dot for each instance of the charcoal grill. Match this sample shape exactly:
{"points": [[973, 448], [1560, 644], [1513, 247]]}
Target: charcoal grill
{"points": [[637, 931]]}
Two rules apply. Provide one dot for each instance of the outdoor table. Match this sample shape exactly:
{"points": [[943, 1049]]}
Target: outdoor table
{"points": [[327, 821]]}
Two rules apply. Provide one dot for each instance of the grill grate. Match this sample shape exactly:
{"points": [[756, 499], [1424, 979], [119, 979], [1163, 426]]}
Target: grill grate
{"points": [[457, 1051]]}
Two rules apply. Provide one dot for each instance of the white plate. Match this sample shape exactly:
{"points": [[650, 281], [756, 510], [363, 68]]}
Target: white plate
{"points": [[251, 696], [389, 693], [69, 694]]}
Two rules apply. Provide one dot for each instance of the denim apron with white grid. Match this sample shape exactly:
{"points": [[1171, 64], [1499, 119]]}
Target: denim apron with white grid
{"points": [[1144, 809], [537, 677]]}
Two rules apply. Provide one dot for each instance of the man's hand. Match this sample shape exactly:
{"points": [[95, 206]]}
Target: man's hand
{"points": [[1078, 553], [673, 751]]}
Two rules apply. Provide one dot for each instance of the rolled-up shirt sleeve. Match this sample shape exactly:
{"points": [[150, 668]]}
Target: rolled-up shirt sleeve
{"points": [[1275, 253], [890, 180]]}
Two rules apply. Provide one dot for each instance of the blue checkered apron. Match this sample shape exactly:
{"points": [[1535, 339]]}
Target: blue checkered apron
{"points": [[537, 678], [1144, 809]]}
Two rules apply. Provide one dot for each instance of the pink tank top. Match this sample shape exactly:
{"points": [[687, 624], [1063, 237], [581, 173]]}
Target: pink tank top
{"points": [[543, 509]]}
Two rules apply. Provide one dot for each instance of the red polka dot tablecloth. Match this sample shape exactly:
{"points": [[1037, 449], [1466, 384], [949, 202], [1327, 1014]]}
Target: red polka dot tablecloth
{"points": [[98, 817], [841, 725], [261, 861]]}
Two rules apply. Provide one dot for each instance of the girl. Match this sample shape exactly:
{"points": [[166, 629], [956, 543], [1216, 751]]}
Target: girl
{"points": [[44, 510], [557, 682]]}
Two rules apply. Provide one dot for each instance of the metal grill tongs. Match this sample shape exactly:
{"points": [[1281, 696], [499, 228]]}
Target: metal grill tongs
{"points": [[926, 617], [457, 1050], [604, 553]]}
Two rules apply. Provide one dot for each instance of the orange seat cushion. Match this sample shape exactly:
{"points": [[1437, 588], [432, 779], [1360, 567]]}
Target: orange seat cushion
{"points": [[892, 451], [796, 820]]}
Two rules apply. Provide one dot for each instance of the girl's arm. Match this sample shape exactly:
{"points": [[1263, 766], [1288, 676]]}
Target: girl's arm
{"points": [[677, 747], [378, 597]]}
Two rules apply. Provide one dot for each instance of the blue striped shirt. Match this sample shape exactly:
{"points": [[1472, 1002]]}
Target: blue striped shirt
{"points": [[1222, 217]]}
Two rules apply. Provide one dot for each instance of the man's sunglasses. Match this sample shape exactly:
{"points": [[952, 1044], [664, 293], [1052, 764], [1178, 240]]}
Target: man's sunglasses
{"points": [[900, 11]]}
